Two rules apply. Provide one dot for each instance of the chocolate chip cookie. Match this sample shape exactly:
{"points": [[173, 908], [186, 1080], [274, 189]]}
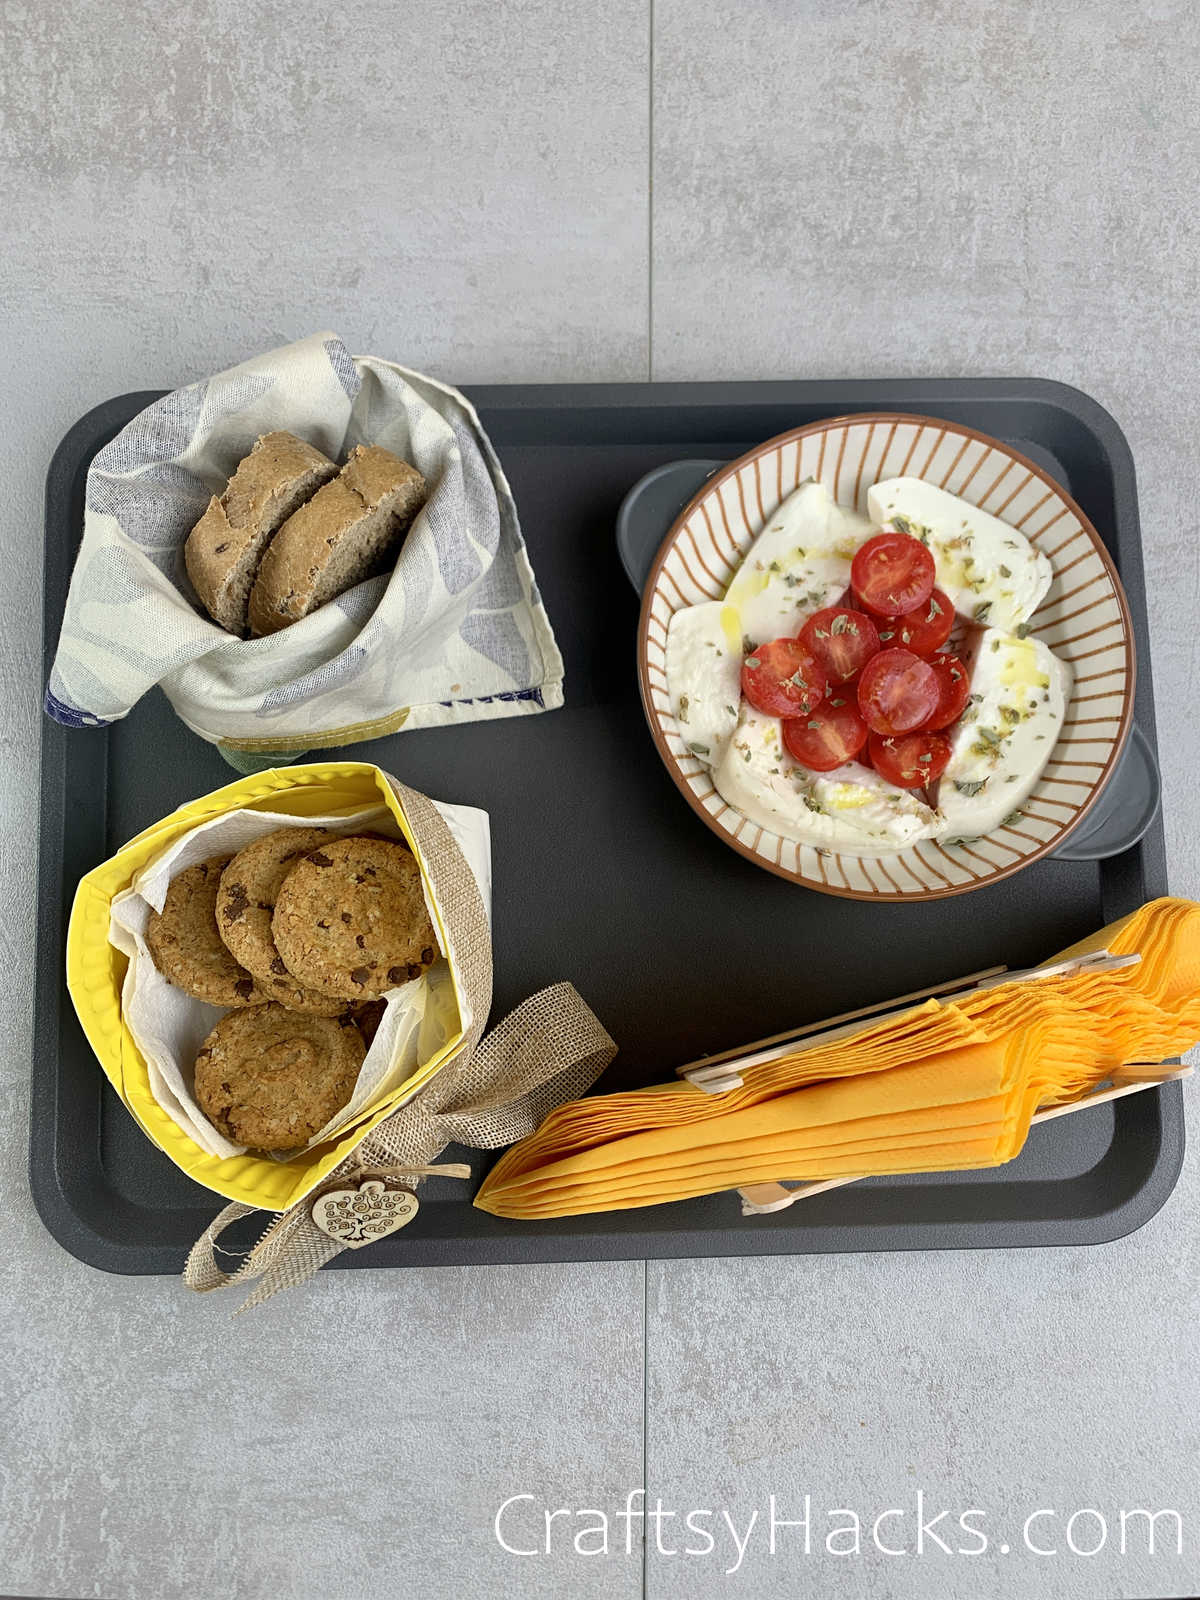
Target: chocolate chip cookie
{"points": [[350, 919], [245, 901], [186, 946], [271, 1078], [367, 1018]]}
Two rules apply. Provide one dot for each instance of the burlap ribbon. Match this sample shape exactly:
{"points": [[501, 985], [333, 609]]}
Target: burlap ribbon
{"points": [[492, 1091]]}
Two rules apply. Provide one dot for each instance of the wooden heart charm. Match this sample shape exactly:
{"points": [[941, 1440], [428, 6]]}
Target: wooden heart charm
{"points": [[355, 1217]]}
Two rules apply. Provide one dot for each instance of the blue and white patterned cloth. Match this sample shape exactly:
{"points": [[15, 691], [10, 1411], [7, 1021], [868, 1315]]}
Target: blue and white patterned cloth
{"points": [[457, 632]]}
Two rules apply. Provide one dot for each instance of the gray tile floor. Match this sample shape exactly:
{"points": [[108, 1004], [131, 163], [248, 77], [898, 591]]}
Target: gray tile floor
{"points": [[873, 187]]}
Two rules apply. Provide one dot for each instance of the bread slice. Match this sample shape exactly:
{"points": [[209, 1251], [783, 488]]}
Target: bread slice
{"points": [[348, 531], [223, 550]]}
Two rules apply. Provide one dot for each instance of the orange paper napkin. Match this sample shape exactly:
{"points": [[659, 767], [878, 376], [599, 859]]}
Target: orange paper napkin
{"points": [[943, 1085]]}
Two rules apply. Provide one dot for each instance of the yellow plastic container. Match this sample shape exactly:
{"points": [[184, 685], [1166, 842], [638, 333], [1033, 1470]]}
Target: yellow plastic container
{"points": [[96, 972]]}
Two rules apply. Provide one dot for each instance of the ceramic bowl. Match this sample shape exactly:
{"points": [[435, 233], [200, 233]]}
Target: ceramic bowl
{"points": [[1084, 619]]}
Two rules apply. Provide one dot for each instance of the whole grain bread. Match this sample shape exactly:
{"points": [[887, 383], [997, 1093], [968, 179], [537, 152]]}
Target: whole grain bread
{"points": [[349, 530], [225, 547]]}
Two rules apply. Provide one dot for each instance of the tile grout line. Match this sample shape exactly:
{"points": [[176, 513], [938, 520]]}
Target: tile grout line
{"points": [[650, 378], [650, 204], [645, 1422]]}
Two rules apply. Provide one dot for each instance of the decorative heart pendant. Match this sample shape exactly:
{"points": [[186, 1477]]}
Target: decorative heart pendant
{"points": [[356, 1217]]}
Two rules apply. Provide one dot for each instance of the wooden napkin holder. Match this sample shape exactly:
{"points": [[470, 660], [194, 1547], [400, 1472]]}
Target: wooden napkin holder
{"points": [[720, 1073]]}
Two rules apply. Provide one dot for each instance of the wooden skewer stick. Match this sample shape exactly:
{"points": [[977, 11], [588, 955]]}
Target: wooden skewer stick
{"points": [[696, 1070], [717, 1074], [759, 1198], [1145, 1072], [1123, 1083]]}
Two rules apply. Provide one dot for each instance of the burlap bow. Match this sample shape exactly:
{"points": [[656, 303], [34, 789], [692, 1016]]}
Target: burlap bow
{"points": [[491, 1092]]}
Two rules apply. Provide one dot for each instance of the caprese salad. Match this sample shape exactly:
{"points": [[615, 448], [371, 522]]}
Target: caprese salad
{"points": [[868, 681]]}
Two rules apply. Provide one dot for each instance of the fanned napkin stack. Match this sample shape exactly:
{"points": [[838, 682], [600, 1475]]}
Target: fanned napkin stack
{"points": [[944, 1085]]}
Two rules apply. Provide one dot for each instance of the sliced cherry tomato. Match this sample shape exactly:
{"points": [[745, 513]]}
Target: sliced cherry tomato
{"points": [[892, 574], [954, 690], [783, 679], [924, 630], [829, 738], [850, 690], [897, 691], [910, 761], [842, 640]]}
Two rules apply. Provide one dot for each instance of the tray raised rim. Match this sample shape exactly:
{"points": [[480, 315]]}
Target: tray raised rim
{"points": [[119, 1249]]}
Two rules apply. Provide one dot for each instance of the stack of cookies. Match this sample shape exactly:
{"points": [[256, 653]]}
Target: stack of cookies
{"points": [[300, 934]]}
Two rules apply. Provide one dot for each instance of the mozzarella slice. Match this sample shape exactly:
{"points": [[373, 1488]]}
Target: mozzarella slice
{"points": [[704, 676], [990, 571], [1019, 694], [798, 564], [851, 808]]}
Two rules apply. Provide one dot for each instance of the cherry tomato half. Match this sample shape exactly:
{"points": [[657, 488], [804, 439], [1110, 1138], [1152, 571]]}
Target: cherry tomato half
{"points": [[910, 761], [954, 690], [782, 678], [897, 692], [829, 738], [892, 574], [842, 640], [924, 630]]}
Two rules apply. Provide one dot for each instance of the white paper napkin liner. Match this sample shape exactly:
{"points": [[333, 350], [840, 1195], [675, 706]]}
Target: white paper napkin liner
{"points": [[169, 1026]]}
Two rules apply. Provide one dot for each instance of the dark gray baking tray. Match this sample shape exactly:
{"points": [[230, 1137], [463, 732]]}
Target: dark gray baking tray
{"points": [[604, 877]]}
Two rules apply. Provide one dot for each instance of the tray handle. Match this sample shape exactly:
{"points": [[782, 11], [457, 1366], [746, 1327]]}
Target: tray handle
{"points": [[1128, 804], [649, 509]]}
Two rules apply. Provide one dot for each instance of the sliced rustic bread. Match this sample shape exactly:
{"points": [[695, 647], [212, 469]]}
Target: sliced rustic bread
{"points": [[223, 550], [348, 531]]}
